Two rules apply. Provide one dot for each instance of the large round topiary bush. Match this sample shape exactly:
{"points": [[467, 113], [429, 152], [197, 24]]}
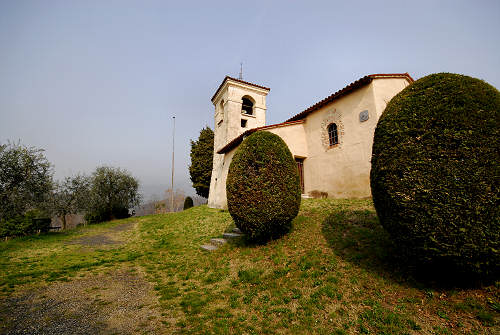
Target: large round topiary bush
{"points": [[263, 186], [436, 171]]}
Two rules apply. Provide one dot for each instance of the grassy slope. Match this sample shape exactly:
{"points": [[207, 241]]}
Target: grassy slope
{"points": [[330, 275]]}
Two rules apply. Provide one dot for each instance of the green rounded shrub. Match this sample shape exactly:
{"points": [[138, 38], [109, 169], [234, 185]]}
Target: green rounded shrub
{"points": [[263, 187], [29, 223], [188, 203], [436, 171]]}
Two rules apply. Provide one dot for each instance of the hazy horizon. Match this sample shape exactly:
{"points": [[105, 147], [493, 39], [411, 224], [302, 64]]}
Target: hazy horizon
{"points": [[97, 82]]}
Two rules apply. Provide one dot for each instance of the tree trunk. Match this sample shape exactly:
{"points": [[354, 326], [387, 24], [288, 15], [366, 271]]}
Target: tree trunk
{"points": [[63, 219]]}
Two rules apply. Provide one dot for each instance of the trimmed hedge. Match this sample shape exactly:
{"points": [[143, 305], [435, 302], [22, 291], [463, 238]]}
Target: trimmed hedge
{"points": [[188, 203], [263, 187], [30, 223], [436, 172]]}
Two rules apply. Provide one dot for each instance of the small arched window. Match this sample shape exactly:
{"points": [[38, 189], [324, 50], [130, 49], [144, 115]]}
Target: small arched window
{"points": [[333, 134], [247, 106]]}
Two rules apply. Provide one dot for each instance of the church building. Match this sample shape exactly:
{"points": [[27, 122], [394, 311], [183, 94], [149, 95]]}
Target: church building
{"points": [[331, 141]]}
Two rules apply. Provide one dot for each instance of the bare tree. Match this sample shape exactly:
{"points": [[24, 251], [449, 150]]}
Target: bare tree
{"points": [[197, 200], [70, 196], [148, 207], [178, 196], [155, 205]]}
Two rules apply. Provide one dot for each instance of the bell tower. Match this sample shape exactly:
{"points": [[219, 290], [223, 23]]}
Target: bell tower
{"points": [[239, 106]]}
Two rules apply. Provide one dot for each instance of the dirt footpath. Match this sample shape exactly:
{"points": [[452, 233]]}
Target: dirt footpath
{"points": [[119, 302], [116, 301], [100, 240]]}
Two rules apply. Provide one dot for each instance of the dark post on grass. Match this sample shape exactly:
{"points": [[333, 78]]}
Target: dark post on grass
{"points": [[434, 175]]}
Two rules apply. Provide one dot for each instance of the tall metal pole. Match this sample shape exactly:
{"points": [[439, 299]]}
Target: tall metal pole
{"points": [[173, 156]]}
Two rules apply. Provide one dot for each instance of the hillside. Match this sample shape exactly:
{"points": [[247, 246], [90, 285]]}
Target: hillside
{"points": [[333, 274]]}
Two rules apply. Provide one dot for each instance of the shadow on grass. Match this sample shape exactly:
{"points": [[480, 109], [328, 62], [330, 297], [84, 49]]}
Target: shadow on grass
{"points": [[248, 242], [359, 238]]}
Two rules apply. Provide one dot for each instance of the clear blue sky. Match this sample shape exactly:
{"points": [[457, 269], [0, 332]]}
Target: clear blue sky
{"points": [[97, 82]]}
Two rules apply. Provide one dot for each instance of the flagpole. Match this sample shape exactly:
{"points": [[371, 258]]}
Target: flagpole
{"points": [[173, 157]]}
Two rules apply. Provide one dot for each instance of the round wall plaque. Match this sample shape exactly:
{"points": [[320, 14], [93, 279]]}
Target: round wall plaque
{"points": [[363, 116]]}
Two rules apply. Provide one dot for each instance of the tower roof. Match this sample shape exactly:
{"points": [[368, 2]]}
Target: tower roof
{"points": [[239, 81]]}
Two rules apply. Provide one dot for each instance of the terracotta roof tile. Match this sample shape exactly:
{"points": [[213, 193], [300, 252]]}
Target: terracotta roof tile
{"points": [[239, 81], [236, 141], [348, 89]]}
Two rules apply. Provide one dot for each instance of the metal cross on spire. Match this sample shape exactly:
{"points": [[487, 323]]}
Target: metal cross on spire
{"points": [[240, 77]]}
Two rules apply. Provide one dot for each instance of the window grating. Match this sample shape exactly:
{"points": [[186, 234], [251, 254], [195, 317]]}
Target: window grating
{"points": [[333, 134]]}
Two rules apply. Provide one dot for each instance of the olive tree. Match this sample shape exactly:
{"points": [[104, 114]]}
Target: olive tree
{"points": [[25, 179], [113, 192], [70, 196]]}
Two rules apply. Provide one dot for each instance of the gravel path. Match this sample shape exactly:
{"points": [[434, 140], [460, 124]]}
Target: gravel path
{"points": [[117, 301], [108, 238]]}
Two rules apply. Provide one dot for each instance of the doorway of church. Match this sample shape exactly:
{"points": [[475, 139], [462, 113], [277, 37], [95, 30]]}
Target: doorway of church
{"points": [[300, 167]]}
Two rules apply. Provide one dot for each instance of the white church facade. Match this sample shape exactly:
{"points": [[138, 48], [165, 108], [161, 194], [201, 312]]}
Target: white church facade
{"points": [[331, 141]]}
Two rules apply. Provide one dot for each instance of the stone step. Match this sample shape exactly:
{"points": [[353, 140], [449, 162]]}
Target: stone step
{"points": [[236, 230], [218, 241], [231, 235], [208, 247]]}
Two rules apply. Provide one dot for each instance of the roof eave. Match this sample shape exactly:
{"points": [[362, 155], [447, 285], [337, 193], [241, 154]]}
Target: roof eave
{"points": [[348, 89], [238, 139], [238, 81]]}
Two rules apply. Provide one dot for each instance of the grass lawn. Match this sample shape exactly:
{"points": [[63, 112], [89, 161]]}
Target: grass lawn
{"points": [[331, 274]]}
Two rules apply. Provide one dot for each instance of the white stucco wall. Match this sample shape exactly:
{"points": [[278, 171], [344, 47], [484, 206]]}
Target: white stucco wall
{"points": [[294, 136], [384, 90], [343, 171], [217, 197], [227, 126]]}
